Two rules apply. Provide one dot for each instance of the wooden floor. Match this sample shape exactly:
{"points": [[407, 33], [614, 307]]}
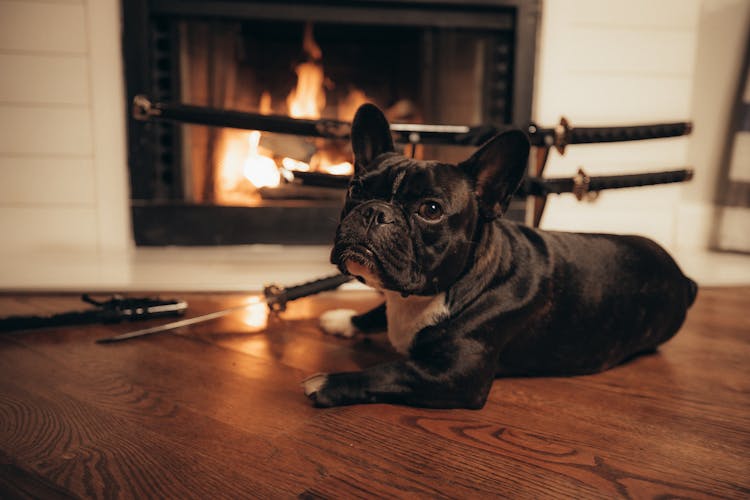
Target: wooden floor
{"points": [[216, 411]]}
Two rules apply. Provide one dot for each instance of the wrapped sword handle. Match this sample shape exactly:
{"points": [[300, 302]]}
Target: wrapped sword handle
{"points": [[277, 297], [587, 135]]}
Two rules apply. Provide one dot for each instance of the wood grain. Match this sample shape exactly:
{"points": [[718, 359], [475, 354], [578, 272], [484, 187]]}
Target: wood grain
{"points": [[216, 411]]}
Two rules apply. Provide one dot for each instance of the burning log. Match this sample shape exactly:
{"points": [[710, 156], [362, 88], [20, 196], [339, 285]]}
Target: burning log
{"points": [[299, 148]]}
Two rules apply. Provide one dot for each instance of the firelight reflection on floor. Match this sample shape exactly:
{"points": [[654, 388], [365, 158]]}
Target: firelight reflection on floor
{"points": [[256, 314]]}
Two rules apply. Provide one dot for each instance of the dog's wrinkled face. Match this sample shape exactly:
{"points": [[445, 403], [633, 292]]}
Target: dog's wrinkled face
{"points": [[409, 226]]}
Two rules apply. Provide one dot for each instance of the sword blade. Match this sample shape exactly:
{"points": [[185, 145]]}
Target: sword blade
{"points": [[274, 297], [177, 324]]}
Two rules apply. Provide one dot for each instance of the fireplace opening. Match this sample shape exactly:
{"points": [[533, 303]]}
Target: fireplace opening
{"points": [[198, 185], [301, 70]]}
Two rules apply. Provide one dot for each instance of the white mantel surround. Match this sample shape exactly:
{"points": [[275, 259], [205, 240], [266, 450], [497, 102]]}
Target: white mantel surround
{"points": [[64, 217]]}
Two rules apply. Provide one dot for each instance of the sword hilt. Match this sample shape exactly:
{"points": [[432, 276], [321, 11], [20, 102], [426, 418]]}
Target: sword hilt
{"points": [[277, 297], [582, 184], [591, 135], [601, 182]]}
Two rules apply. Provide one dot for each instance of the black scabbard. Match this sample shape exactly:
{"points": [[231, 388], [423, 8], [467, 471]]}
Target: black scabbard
{"points": [[199, 115], [594, 135], [462, 135], [537, 186], [19, 323], [111, 311]]}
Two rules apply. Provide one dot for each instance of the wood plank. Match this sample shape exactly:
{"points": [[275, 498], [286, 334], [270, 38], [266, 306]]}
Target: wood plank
{"points": [[215, 410], [45, 130], [48, 228], [621, 158], [631, 51], [612, 98], [645, 14], [33, 78], [43, 27], [108, 122], [47, 181]]}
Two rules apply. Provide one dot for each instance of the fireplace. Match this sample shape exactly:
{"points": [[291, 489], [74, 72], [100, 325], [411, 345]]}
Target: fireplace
{"points": [[438, 63]]}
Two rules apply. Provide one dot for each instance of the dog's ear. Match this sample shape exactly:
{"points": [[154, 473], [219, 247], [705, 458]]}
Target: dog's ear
{"points": [[371, 136], [498, 168]]}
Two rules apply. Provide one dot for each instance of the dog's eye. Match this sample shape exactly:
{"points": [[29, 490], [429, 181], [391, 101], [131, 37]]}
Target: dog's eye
{"points": [[430, 210]]}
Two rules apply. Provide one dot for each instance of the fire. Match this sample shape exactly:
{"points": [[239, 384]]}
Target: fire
{"points": [[246, 166], [264, 107], [259, 169], [348, 107], [308, 98]]}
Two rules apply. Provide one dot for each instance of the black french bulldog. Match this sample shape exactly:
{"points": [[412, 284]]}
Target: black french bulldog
{"points": [[470, 296]]}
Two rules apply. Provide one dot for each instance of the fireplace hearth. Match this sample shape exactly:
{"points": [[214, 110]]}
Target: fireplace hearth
{"points": [[437, 63]]}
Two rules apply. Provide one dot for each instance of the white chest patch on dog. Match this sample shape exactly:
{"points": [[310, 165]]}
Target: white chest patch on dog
{"points": [[407, 316]]}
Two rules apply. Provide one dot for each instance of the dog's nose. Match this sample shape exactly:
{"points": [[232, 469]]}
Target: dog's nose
{"points": [[377, 214]]}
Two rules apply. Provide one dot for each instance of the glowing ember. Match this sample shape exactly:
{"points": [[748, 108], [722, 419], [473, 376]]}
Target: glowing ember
{"points": [[296, 165], [343, 168], [258, 169]]}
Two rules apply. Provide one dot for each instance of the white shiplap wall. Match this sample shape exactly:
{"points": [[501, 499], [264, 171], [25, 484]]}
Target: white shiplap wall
{"points": [[62, 156], [63, 172], [617, 62]]}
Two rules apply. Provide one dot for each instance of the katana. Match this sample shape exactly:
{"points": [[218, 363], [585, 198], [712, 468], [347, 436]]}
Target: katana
{"points": [[558, 137], [544, 139], [579, 185], [274, 296], [114, 310]]}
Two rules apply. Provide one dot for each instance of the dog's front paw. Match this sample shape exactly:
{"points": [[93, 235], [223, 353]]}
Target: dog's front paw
{"points": [[314, 383], [338, 322], [313, 387]]}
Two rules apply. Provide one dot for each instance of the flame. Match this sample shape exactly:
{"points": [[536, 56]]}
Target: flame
{"points": [[308, 98], [309, 45], [264, 107], [246, 166], [259, 169], [348, 106]]}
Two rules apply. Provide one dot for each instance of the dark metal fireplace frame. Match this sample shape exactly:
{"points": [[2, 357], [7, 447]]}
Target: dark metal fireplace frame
{"points": [[160, 214]]}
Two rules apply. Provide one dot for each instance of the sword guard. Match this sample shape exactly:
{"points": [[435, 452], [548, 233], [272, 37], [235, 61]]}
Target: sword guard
{"points": [[276, 298], [562, 135], [143, 109], [581, 185]]}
